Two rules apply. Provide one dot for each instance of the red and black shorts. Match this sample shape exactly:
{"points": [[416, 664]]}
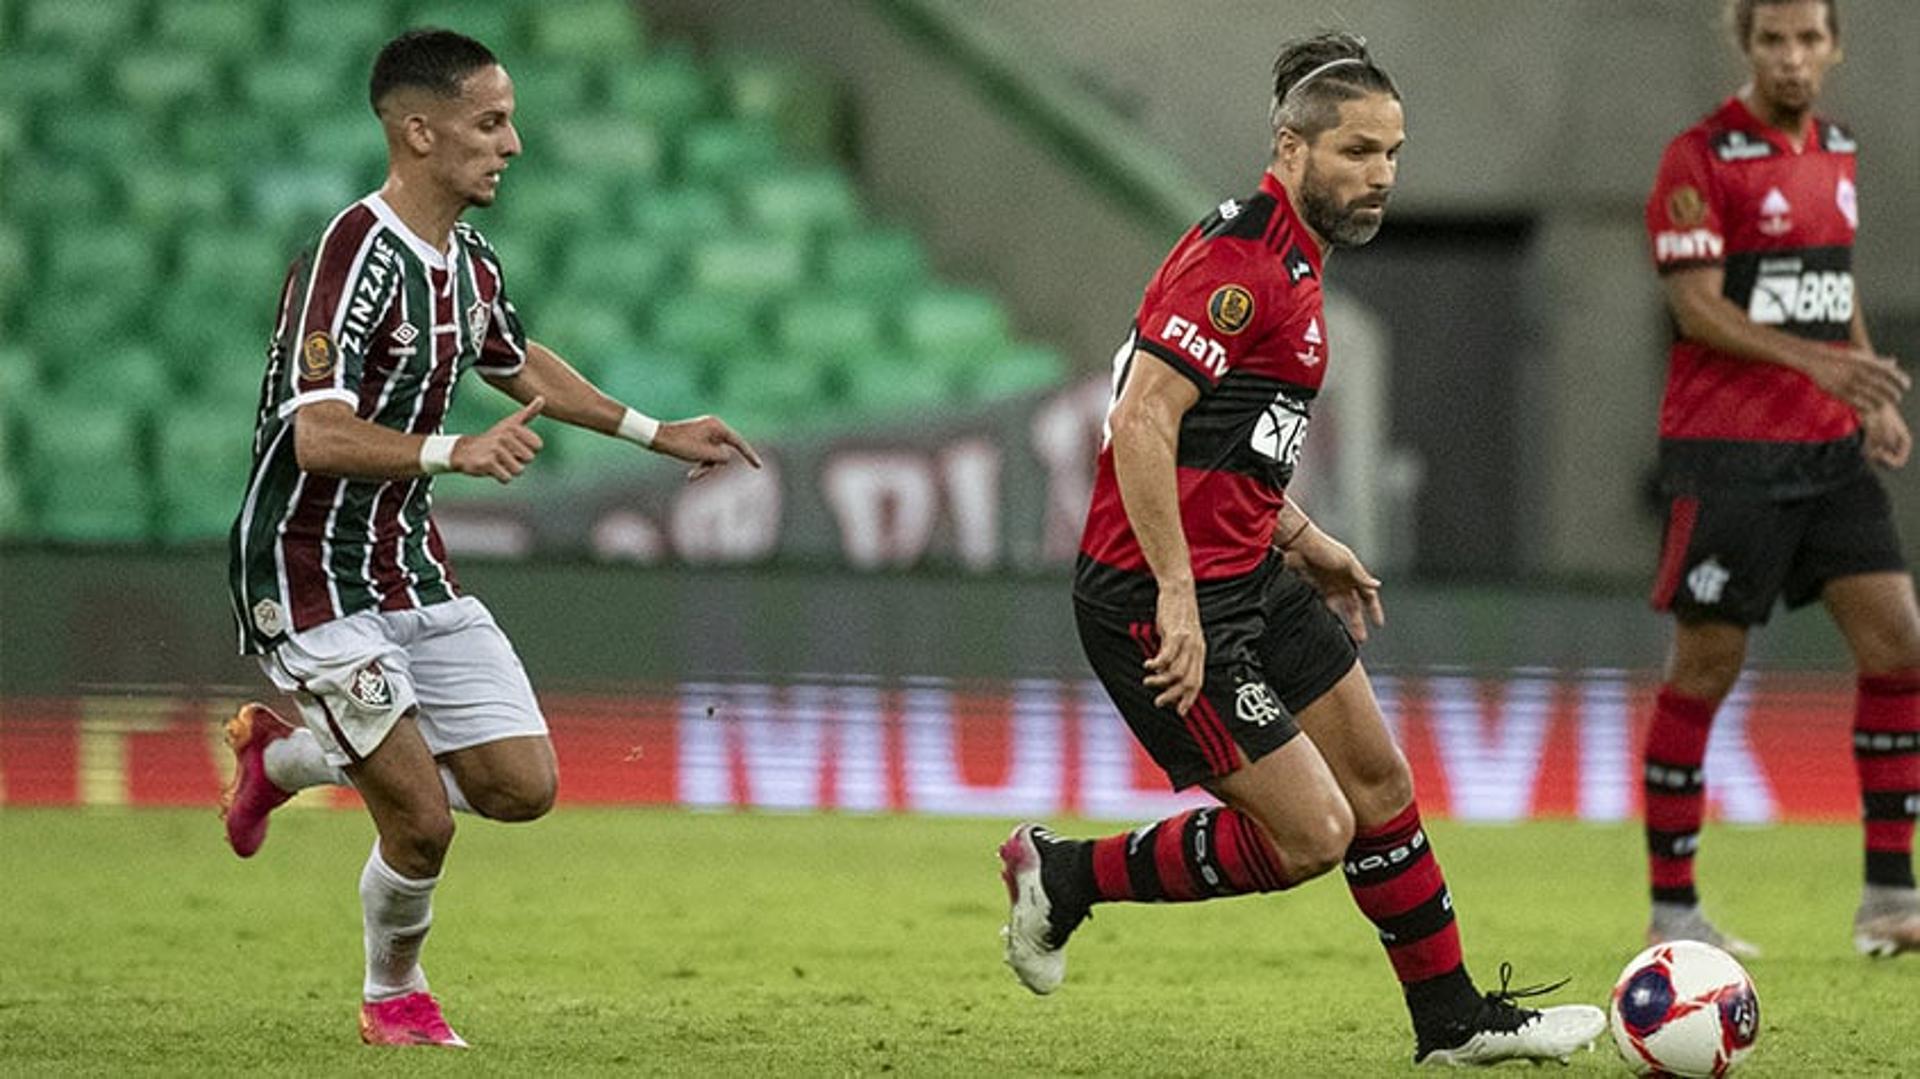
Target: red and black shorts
{"points": [[1730, 554], [1269, 659]]}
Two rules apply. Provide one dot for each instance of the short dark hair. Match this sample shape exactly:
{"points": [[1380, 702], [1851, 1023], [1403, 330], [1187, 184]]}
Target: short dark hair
{"points": [[1740, 16], [427, 57], [1313, 75]]}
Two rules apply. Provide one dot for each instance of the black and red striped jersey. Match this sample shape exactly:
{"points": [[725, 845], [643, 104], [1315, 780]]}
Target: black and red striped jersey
{"points": [[377, 318], [1236, 309], [1734, 192]]}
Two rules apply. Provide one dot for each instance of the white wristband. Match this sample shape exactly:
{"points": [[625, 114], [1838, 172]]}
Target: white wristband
{"points": [[436, 454], [637, 426]]}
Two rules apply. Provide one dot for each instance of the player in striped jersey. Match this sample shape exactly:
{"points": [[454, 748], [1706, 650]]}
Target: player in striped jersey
{"points": [[340, 581], [1222, 622]]}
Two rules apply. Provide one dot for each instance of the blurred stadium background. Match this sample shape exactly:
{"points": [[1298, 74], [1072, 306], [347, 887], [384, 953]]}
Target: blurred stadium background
{"points": [[894, 242]]}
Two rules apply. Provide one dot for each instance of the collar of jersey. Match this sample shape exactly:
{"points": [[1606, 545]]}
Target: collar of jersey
{"points": [[432, 256], [1741, 115], [1271, 185]]}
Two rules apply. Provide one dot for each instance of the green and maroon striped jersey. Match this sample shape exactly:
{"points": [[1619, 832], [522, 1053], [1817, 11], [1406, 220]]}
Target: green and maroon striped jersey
{"points": [[377, 318]]}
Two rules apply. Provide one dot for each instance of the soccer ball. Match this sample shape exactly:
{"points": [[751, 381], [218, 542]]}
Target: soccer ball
{"points": [[1684, 1009]]}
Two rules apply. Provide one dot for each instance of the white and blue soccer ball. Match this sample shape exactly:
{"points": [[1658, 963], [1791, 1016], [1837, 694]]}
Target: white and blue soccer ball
{"points": [[1684, 1009]]}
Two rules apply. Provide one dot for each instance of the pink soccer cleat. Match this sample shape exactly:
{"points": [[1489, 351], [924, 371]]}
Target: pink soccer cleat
{"points": [[414, 1019], [250, 795]]}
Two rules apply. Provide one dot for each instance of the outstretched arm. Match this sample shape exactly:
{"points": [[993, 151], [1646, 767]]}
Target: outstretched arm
{"points": [[704, 441]]}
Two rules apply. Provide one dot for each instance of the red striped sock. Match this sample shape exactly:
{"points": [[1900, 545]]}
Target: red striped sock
{"points": [[1886, 755], [1397, 884], [1200, 854], [1674, 785]]}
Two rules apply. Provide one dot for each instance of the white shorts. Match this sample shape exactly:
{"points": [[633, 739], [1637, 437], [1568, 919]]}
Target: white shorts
{"points": [[354, 677]]}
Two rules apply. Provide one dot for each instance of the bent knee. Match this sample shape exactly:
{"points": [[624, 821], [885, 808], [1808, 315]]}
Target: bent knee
{"points": [[519, 801], [423, 838], [1319, 846]]}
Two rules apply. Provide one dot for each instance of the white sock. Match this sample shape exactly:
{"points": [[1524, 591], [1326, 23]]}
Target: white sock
{"points": [[399, 911], [456, 798], [297, 762]]}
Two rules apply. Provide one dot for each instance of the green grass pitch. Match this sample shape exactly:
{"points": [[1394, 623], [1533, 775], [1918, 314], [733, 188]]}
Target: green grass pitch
{"points": [[654, 942]]}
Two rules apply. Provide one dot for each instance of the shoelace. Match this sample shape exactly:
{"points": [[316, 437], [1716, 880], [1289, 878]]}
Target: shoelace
{"points": [[1501, 1000]]}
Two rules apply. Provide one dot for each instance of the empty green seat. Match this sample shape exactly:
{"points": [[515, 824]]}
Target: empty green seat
{"points": [[725, 153], [44, 191], [352, 30], [98, 25], [97, 256], [289, 84], [14, 265], [951, 323], [711, 325], [587, 28], [349, 142], [237, 265], [802, 109], [606, 144], [668, 90], [890, 386], [808, 201], [160, 197], [494, 25], [227, 28], [676, 217], [289, 199], [794, 386], [162, 80], [98, 137], [748, 266], [201, 460], [828, 326], [89, 471], [20, 381], [1016, 369], [237, 141], [131, 373], [584, 331], [659, 382], [62, 318], [545, 205], [876, 263], [615, 269], [546, 93]]}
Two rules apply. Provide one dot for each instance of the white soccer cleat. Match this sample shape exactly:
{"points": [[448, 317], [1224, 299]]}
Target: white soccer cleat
{"points": [[1887, 923], [1035, 933], [1524, 1034], [1678, 921], [1498, 1030]]}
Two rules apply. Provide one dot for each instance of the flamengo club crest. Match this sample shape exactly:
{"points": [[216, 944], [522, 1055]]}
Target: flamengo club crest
{"points": [[1253, 703]]}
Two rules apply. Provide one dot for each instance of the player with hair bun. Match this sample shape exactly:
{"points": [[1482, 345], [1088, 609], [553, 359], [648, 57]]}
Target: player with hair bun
{"points": [[1223, 623]]}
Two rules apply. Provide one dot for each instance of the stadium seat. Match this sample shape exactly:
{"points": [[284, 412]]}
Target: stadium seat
{"points": [[42, 191], [615, 270], [890, 387], [87, 25], [791, 387], [300, 200], [161, 197], [200, 469], [20, 381], [829, 326], [1015, 370], [233, 141], [755, 267], [667, 90], [659, 382], [494, 24], [878, 263], [711, 325], [587, 28], [287, 84], [14, 265], [102, 138], [224, 28], [351, 30], [548, 92], [34, 79], [157, 81], [84, 456], [949, 324], [89, 257], [350, 143], [800, 108], [130, 372], [676, 217], [608, 145], [584, 331], [803, 202], [723, 153]]}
